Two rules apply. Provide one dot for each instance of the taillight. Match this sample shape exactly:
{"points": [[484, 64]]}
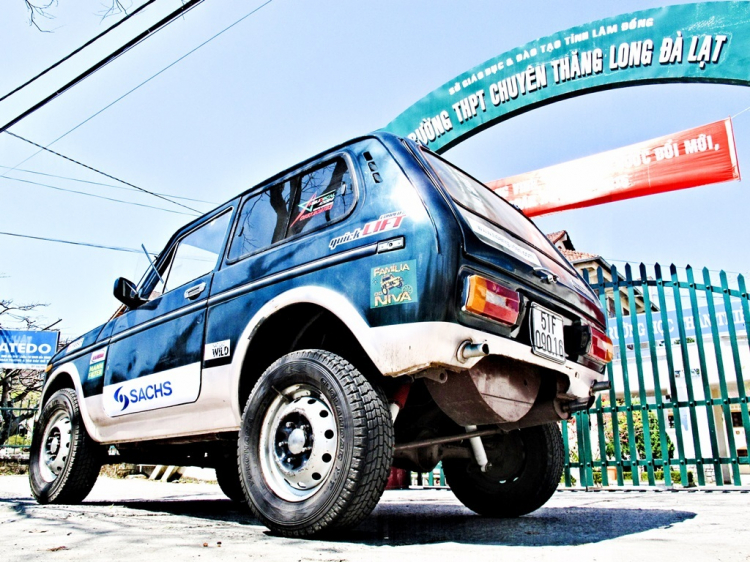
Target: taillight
{"points": [[489, 299], [601, 348]]}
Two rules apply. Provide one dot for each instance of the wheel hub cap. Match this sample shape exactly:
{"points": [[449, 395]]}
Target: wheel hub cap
{"points": [[55, 446], [299, 440]]}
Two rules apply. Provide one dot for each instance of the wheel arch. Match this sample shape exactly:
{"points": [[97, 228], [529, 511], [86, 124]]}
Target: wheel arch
{"points": [[66, 376], [303, 318]]}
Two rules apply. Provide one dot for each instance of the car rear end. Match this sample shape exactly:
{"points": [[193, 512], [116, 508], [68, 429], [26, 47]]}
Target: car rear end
{"points": [[540, 332]]}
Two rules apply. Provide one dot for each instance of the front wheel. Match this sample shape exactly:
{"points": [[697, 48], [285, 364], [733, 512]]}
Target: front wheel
{"points": [[525, 469], [63, 461], [316, 445]]}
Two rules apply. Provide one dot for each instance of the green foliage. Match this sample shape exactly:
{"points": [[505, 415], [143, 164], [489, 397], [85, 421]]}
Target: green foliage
{"points": [[639, 437], [18, 441]]}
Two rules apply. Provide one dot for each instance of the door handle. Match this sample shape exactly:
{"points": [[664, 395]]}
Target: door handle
{"points": [[193, 292]]}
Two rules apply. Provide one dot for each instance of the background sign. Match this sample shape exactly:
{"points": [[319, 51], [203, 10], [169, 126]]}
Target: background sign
{"points": [[705, 42], [699, 156], [671, 332], [27, 350]]}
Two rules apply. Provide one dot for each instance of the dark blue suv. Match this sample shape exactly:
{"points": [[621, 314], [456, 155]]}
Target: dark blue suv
{"points": [[373, 306]]}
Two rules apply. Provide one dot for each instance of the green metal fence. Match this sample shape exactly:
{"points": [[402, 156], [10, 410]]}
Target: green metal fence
{"points": [[677, 410]]}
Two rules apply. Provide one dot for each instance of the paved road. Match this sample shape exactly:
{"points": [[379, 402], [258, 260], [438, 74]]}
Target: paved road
{"points": [[137, 520]]}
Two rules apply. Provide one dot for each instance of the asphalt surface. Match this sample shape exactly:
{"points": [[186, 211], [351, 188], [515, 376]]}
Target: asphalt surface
{"points": [[137, 520]]}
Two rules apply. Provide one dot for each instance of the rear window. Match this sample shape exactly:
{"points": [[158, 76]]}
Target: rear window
{"points": [[481, 200], [323, 196], [303, 203]]}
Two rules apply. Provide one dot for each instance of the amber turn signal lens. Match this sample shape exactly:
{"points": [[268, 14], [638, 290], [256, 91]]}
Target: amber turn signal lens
{"points": [[601, 348], [489, 299]]}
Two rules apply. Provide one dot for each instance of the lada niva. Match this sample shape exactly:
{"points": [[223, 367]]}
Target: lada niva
{"points": [[369, 308]]}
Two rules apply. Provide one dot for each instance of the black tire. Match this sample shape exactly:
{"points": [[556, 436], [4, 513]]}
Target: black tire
{"points": [[64, 461], [228, 477], [327, 460], [526, 469]]}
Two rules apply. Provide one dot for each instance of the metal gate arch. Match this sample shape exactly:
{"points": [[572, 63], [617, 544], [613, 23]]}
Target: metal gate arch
{"points": [[680, 363]]}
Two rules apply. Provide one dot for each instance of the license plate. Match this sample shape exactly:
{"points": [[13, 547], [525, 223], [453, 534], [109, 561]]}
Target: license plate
{"points": [[547, 334]]}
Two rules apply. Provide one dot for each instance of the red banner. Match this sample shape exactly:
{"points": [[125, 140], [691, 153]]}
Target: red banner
{"points": [[699, 156]]}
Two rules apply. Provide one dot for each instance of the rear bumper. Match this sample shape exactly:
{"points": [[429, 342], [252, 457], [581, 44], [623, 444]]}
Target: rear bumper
{"points": [[406, 349]]}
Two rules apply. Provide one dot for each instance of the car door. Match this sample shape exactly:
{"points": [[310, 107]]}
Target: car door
{"points": [[155, 349]]}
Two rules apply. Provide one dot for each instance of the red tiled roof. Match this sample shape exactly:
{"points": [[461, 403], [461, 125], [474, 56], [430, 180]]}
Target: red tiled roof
{"points": [[555, 237], [576, 256]]}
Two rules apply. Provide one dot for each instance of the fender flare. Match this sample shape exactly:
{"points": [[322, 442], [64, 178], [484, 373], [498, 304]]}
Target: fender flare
{"points": [[70, 371], [328, 299]]}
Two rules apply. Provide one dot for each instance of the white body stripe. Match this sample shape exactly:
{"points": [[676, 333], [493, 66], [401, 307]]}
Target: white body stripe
{"points": [[211, 413], [396, 350]]}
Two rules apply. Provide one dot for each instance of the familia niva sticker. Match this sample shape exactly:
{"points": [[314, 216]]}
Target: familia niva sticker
{"points": [[395, 283]]}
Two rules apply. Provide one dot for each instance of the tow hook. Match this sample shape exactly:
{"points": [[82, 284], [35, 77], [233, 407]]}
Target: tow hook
{"points": [[477, 448]]}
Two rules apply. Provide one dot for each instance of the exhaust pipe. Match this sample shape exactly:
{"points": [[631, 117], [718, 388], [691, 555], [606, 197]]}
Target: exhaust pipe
{"points": [[468, 350], [600, 386]]}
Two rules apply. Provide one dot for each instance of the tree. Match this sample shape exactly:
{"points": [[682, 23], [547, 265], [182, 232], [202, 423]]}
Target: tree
{"points": [[42, 9], [18, 386]]}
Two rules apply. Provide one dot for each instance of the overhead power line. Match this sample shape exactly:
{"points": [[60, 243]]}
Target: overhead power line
{"points": [[187, 6], [102, 173], [79, 180], [96, 196], [79, 49], [88, 244], [207, 41]]}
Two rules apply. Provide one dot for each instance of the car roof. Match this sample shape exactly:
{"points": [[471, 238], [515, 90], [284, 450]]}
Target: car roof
{"points": [[380, 135]]}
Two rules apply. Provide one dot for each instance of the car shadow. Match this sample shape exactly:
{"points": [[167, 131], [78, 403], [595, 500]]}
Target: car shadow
{"points": [[552, 526], [409, 523]]}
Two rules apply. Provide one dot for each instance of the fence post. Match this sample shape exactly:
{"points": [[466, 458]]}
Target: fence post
{"points": [[666, 467], [672, 382], [625, 379], [643, 402], [707, 398]]}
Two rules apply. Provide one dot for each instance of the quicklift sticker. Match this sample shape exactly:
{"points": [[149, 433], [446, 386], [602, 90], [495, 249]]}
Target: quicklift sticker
{"points": [[96, 365], [384, 223], [393, 284], [217, 350]]}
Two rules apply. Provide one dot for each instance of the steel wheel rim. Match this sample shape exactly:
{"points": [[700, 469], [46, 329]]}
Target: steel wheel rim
{"points": [[55, 446], [298, 443]]}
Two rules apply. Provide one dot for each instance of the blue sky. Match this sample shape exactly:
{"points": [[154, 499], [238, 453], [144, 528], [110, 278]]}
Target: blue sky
{"points": [[290, 81]]}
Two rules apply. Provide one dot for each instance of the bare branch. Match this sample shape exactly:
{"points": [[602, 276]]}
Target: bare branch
{"points": [[9, 308], [115, 9], [39, 9]]}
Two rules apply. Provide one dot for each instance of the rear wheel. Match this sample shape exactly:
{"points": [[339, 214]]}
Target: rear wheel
{"points": [[228, 477], [316, 445], [64, 460], [525, 470]]}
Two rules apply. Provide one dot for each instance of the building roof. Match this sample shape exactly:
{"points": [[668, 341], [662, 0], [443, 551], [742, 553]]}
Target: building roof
{"points": [[574, 256], [561, 239]]}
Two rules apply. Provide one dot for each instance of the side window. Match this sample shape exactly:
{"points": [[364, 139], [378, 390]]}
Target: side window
{"points": [[322, 196], [262, 221], [196, 254]]}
